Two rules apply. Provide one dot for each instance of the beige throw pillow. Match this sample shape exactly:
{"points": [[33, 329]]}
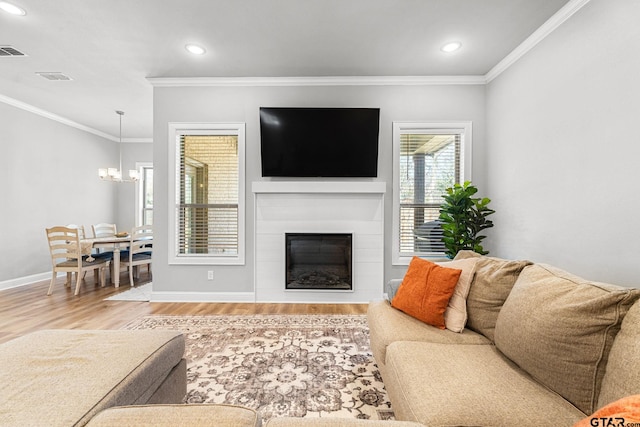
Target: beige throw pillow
{"points": [[622, 377], [490, 288], [560, 328], [455, 316]]}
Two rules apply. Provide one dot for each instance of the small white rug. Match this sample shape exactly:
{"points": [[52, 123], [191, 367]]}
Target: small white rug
{"points": [[138, 293]]}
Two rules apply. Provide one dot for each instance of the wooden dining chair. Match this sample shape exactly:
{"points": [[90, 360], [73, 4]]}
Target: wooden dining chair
{"points": [[66, 256], [81, 231], [140, 249], [81, 235], [104, 230]]}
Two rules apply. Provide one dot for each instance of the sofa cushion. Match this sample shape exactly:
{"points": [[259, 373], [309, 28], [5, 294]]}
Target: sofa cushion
{"points": [[491, 285], [560, 328], [387, 325], [468, 385], [622, 377], [336, 422], [455, 316], [426, 290], [71, 375], [177, 416]]}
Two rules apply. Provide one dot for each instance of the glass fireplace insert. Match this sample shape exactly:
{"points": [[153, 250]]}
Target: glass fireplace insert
{"points": [[319, 261]]}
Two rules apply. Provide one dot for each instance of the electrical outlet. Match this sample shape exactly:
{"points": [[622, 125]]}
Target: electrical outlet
{"points": [[210, 275]]}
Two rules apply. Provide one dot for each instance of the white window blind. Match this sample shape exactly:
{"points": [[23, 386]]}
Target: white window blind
{"points": [[208, 210], [147, 196], [429, 159], [144, 194], [208, 206]]}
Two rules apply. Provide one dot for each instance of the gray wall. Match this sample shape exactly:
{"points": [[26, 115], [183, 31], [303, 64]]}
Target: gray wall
{"points": [[49, 177], [241, 104], [562, 147], [555, 147]]}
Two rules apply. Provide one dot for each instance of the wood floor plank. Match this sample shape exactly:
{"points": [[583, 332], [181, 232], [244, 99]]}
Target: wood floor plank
{"points": [[28, 308]]}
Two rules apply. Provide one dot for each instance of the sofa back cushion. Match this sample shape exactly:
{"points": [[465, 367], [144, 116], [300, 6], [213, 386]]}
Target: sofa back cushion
{"points": [[560, 329], [494, 278], [622, 377]]}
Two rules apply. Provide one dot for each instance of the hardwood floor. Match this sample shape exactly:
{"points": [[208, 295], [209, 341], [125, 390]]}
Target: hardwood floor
{"points": [[28, 308]]}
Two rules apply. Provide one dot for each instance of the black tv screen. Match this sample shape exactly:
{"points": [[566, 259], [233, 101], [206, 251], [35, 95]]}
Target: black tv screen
{"points": [[319, 142]]}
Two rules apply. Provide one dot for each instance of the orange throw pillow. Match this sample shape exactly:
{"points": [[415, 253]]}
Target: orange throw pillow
{"points": [[426, 290], [625, 411]]}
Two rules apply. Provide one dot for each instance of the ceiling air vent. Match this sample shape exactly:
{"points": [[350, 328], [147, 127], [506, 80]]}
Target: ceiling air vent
{"points": [[10, 51], [54, 76]]}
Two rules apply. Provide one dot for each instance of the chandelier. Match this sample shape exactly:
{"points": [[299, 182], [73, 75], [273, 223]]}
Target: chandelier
{"points": [[115, 174]]}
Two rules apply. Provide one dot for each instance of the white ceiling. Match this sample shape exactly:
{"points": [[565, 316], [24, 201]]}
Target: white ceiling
{"points": [[110, 47]]}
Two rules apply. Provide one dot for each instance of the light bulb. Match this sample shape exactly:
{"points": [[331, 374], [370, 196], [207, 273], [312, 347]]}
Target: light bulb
{"points": [[12, 8], [195, 49], [451, 47]]}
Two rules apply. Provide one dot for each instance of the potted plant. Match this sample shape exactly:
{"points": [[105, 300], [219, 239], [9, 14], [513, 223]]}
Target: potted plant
{"points": [[462, 218]]}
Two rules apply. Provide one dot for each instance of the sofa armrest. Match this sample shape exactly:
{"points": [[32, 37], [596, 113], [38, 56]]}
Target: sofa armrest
{"points": [[391, 288]]}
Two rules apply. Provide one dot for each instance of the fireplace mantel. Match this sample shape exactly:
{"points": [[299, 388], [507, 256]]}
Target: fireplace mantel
{"points": [[313, 187]]}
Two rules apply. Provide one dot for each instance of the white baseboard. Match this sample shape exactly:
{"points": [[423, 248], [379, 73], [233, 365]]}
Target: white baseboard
{"points": [[202, 296], [236, 297], [321, 301], [26, 280]]}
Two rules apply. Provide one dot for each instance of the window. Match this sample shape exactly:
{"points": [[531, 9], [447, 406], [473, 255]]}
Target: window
{"points": [[428, 158], [207, 184], [144, 194]]}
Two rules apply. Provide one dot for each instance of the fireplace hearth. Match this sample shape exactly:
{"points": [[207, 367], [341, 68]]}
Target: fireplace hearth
{"points": [[318, 261]]}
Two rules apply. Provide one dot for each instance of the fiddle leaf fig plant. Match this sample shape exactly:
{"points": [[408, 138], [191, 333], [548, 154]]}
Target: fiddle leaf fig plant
{"points": [[462, 218]]}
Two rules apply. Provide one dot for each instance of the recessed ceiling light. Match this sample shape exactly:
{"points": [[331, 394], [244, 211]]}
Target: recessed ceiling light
{"points": [[12, 8], [451, 47], [195, 49]]}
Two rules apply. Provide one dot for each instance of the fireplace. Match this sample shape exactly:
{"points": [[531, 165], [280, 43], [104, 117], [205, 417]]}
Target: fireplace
{"points": [[353, 207], [318, 261]]}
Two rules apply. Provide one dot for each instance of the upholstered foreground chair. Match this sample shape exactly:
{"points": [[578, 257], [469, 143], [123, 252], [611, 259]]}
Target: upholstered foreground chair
{"points": [[66, 256]]}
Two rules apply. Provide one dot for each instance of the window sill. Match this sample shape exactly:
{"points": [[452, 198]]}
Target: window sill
{"points": [[206, 260], [405, 260]]}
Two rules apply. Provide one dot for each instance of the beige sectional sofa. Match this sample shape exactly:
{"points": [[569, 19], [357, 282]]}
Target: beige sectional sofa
{"points": [[115, 378], [65, 377], [541, 347], [215, 415]]}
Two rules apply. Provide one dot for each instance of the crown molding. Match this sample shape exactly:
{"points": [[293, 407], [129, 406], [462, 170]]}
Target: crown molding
{"points": [[566, 12], [315, 81], [540, 34], [43, 113], [40, 112]]}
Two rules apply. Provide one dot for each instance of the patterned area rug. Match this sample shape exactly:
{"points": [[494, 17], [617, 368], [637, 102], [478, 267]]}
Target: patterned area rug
{"points": [[281, 365]]}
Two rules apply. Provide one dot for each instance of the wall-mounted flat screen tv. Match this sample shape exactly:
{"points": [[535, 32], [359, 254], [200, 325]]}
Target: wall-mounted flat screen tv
{"points": [[319, 142]]}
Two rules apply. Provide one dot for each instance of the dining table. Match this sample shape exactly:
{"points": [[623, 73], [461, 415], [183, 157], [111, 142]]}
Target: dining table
{"points": [[113, 243]]}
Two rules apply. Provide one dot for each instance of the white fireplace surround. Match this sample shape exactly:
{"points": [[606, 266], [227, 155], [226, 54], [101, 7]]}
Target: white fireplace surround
{"points": [[319, 207]]}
